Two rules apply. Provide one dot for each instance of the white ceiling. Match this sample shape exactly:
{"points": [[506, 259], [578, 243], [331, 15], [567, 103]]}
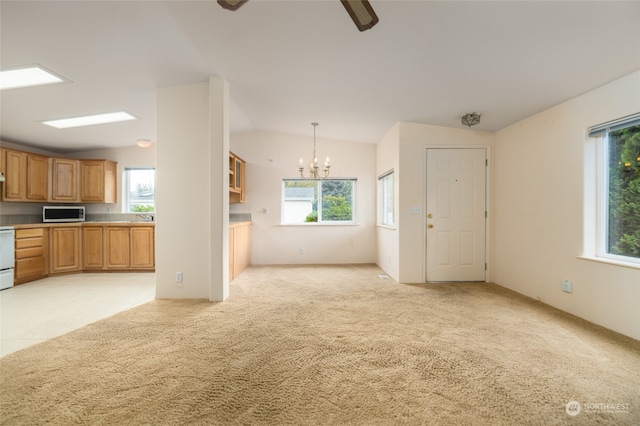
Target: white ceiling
{"points": [[289, 63]]}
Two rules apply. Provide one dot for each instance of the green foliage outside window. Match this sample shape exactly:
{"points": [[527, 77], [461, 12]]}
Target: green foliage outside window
{"points": [[624, 192]]}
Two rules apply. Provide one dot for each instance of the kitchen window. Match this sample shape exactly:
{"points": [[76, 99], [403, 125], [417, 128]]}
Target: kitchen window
{"points": [[618, 189], [140, 190], [326, 201]]}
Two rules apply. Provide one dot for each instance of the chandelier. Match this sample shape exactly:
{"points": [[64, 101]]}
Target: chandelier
{"points": [[314, 167]]}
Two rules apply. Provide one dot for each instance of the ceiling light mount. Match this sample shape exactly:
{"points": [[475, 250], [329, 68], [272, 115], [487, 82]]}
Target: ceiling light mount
{"points": [[470, 119]]}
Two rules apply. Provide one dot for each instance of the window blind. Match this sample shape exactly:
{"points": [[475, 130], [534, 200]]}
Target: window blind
{"points": [[610, 126]]}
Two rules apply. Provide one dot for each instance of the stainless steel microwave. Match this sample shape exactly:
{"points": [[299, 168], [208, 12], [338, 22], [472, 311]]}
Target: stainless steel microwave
{"points": [[63, 213]]}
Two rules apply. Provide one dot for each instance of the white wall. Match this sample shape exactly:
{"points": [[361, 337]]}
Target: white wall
{"points": [[414, 140], [273, 156], [388, 247], [191, 191], [539, 205]]}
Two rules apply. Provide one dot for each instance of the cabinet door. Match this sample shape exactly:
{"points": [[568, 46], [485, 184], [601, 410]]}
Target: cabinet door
{"points": [[142, 247], [64, 180], [15, 185], [98, 181], [37, 177], [65, 249], [92, 247], [117, 247], [241, 248]]}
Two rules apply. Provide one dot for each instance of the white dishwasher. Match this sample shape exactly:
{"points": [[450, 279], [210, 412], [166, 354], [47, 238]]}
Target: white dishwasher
{"points": [[7, 256]]}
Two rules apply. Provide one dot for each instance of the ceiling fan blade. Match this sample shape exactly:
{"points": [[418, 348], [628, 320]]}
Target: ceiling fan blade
{"points": [[231, 4], [361, 12]]}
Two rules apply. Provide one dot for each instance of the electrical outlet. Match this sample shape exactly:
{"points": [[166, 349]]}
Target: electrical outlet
{"points": [[567, 287], [178, 277], [301, 250]]}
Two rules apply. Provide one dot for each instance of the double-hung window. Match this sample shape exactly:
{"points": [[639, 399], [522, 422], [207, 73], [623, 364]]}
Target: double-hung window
{"points": [[140, 190], [385, 197], [618, 189], [328, 201]]}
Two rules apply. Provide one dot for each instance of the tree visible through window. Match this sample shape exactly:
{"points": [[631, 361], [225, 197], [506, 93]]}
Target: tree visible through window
{"points": [[328, 200], [140, 184], [623, 210]]}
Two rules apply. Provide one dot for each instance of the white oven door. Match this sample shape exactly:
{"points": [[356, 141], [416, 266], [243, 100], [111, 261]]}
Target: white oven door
{"points": [[6, 278]]}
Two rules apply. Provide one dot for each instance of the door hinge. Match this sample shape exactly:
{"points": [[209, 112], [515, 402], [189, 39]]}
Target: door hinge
{"points": [[485, 266], [486, 162], [486, 215]]}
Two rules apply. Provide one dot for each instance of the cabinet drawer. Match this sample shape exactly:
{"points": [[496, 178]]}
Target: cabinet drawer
{"points": [[29, 233], [29, 242], [25, 253], [29, 267]]}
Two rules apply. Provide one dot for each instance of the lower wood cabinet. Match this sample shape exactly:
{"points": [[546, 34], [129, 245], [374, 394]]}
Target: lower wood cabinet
{"points": [[31, 255], [117, 247], [239, 248], [64, 252], [109, 247], [93, 247]]}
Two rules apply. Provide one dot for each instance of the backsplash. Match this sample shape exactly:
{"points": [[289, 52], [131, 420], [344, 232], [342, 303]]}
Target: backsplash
{"points": [[239, 217], [19, 219]]}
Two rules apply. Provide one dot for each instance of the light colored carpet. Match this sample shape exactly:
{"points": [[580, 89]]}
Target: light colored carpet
{"points": [[329, 345]]}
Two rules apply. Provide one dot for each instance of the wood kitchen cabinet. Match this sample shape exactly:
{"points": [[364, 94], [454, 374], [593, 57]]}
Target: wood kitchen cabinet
{"points": [[31, 254], [239, 248], [64, 180], [64, 250], [117, 247], [26, 176], [142, 247], [98, 181], [92, 248], [236, 179]]}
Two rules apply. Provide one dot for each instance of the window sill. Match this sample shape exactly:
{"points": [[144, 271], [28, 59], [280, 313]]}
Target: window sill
{"points": [[312, 224], [393, 228], [614, 262]]}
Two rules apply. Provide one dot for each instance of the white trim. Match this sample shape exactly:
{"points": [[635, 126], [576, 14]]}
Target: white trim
{"points": [[613, 262]]}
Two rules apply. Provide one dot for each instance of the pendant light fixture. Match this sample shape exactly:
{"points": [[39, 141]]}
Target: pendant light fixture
{"points": [[314, 168]]}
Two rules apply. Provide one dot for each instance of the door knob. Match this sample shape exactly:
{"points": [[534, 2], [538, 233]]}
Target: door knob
{"points": [[430, 215], [430, 225]]}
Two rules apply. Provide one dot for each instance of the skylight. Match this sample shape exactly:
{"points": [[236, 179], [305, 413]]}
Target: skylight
{"points": [[90, 120], [25, 77]]}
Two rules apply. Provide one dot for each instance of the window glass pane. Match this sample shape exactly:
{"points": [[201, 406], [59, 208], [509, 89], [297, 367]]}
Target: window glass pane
{"points": [[141, 190], [623, 222], [386, 194], [307, 201], [337, 199]]}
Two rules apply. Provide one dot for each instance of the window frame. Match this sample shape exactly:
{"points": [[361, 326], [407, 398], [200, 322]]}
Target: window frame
{"points": [[353, 221], [126, 199], [601, 132], [386, 182]]}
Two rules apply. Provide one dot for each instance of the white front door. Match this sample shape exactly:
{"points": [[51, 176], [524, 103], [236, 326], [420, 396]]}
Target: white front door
{"points": [[456, 214]]}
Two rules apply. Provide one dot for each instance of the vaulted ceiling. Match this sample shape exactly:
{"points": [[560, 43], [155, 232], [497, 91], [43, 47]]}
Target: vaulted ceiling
{"points": [[289, 63]]}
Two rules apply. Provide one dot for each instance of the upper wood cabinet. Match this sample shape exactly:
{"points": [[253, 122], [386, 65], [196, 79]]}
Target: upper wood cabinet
{"points": [[65, 180], [26, 176], [236, 179], [98, 182]]}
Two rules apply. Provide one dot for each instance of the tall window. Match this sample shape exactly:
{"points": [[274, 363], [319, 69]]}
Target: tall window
{"points": [[619, 189], [140, 193], [385, 196], [318, 201]]}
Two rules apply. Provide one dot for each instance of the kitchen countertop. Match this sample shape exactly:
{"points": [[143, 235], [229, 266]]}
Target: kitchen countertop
{"points": [[80, 224]]}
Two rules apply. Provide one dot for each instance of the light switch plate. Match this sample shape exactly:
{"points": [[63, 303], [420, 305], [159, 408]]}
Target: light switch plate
{"points": [[416, 210]]}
